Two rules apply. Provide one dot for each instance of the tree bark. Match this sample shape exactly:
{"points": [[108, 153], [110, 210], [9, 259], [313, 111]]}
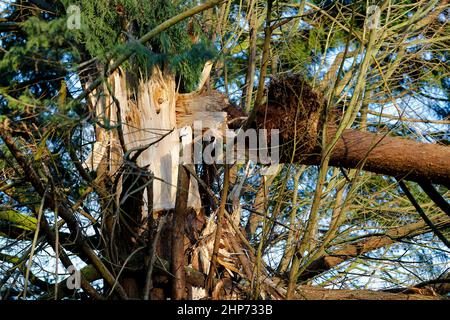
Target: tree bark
{"points": [[353, 250], [297, 111], [158, 106], [316, 293], [178, 230], [393, 156]]}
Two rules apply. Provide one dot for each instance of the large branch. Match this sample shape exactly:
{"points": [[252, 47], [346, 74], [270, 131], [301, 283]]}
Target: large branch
{"points": [[317, 293], [297, 112], [393, 156], [361, 247]]}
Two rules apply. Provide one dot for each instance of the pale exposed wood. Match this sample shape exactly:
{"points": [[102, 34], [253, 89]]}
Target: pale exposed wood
{"points": [[152, 117], [144, 121], [204, 77], [201, 106]]}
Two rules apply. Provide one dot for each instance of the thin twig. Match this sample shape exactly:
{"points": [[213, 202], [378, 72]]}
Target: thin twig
{"points": [[148, 280]]}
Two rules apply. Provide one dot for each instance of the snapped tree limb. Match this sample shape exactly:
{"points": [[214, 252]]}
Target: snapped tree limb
{"points": [[296, 110]]}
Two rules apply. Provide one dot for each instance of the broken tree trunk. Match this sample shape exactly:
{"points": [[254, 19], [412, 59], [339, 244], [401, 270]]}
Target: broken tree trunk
{"points": [[148, 126], [137, 149], [149, 116]]}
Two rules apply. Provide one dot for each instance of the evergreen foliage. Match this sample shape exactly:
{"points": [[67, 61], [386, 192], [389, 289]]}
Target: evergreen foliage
{"points": [[112, 27]]}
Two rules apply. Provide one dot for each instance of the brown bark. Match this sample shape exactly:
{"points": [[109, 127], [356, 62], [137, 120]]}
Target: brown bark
{"points": [[298, 116], [178, 231], [393, 156], [353, 250], [316, 293], [297, 111]]}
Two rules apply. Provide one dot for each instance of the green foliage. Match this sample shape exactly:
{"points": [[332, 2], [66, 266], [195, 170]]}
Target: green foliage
{"points": [[42, 35], [18, 219], [114, 27]]}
